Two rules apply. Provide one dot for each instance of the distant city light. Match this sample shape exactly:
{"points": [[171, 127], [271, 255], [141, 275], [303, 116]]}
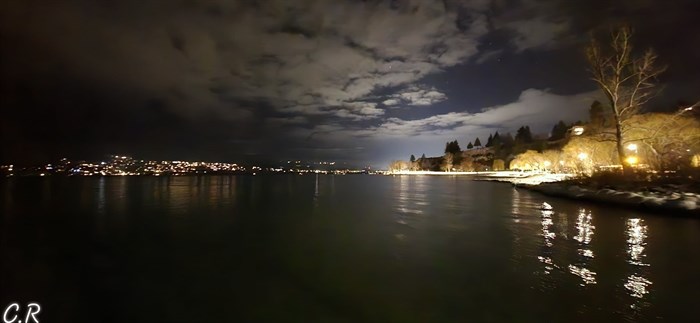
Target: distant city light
{"points": [[127, 166]]}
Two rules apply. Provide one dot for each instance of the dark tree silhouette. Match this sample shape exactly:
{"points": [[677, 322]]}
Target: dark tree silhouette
{"points": [[596, 116], [470, 146], [507, 140], [558, 131], [413, 158], [477, 142], [452, 147], [489, 142], [523, 135], [496, 142]]}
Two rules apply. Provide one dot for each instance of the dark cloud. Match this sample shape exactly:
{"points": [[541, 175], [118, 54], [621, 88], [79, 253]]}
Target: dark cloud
{"points": [[230, 79]]}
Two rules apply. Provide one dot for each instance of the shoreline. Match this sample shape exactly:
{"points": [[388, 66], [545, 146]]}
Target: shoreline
{"points": [[668, 204]]}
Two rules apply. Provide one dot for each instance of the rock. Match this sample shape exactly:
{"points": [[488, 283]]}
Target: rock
{"points": [[653, 202], [636, 199], [684, 204]]}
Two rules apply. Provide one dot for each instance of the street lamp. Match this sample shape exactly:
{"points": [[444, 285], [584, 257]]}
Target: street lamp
{"points": [[582, 156], [632, 147], [632, 160]]}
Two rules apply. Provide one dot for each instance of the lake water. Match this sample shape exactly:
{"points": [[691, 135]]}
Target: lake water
{"points": [[360, 248]]}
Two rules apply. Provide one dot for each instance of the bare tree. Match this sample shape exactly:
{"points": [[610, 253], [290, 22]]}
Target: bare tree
{"points": [[628, 82], [667, 139], [448, 161], [398, 165]]}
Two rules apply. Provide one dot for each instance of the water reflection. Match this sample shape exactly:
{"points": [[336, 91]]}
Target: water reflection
{"points": [[584, 235], [316, 195], [636, 284], [515, 204], [636, 236], [548, 236], [411, 201], [586, 275], [585, 232], [101, 195], [546, 224]]}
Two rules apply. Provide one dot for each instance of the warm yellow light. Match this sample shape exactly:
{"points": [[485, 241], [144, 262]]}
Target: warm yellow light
{"points": [[547, 163], [632, 146], [632, 160], [582, 156]]}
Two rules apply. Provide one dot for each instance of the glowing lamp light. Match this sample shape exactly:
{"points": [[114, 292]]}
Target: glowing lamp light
{"points": [[547, 163], [632, 160], [582, 156], [632, 147], [577, 131]]}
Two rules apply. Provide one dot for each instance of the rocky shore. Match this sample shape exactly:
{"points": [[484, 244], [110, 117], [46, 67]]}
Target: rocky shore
{"points": [[672, 200], [664, 201]]}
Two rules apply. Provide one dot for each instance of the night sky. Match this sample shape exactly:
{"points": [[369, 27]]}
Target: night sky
{"points": [[355, 81]]}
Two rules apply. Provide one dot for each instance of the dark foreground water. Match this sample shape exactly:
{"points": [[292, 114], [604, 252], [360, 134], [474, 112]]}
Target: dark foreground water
{"points": [[336, 249]]}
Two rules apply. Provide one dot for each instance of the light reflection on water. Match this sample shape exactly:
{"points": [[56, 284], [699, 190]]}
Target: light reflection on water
{"points": [[585, 230], [585, 274], [637, 285], [548, 237], [410, 200], [636, 236], [584, 227], [580, 266]]}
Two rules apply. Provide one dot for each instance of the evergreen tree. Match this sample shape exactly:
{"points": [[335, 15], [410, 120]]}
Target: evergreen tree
{"points": [[489, 142], [523, 135], [477, 142], [413, 159], [470, 146], [507, 140], [558, 131], [496, 140], [422, 156], [596, 116], [452, 147], [456, 149]]}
